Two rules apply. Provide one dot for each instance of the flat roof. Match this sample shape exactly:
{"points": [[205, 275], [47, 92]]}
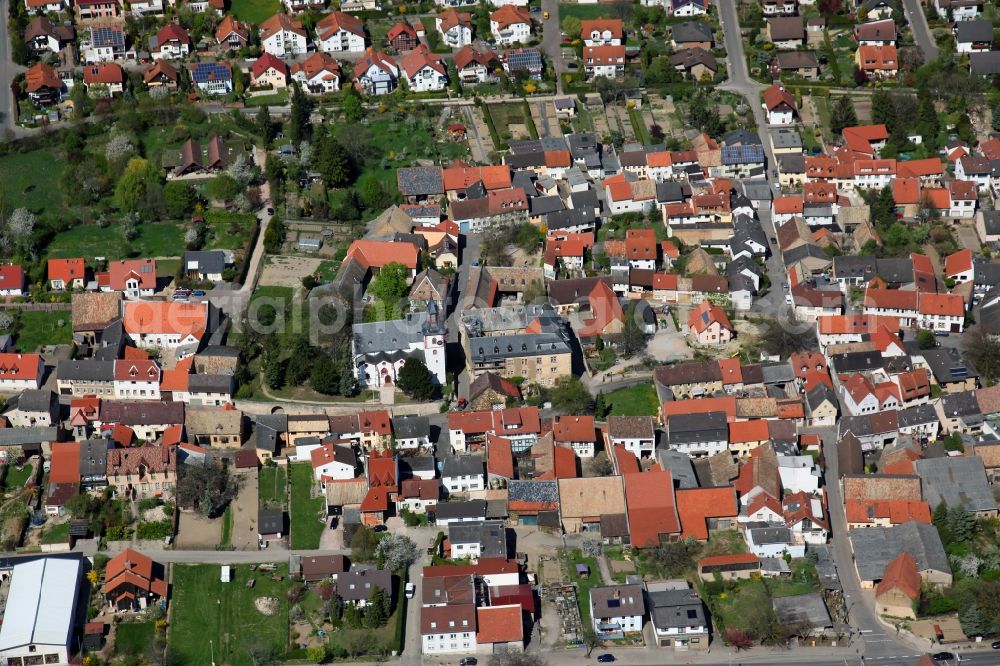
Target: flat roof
{"points": [[41, 603]]}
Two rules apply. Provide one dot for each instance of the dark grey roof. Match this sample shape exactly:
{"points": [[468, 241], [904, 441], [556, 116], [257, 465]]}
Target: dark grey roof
{"points": [[796, 59], [86, 370], [802, 609], [875, 547], [956, 482], [359, 585], [386, 337], [987, 62], [987, 273], [697, 428], [786, 138], [30, 435], [819, 394], [220, 350], [532, 491], [680, 467], [948, 365], [420, 181], [963, 404], [741, 137], [32, 400], [778, 372], [545, 205], [142, 413], [677, 608], [770, 535], [206, 261], [895, 270], [991, 221], [495, 347], [94, 457], [467, 465], [210, 383], [916, 415], [565, 292], [270, 521], [848, 267], [857, 361], [411, 426], [974, 31], [989, 312], [748, 154], [582, 144], [756, 189], [586, 199], [489, 534], [276, 422], [803, 251], [459, 510], [569, 218], [617, 601], [525, 160], [413, 464], [669, 192], [691, 31], [791, 163]]}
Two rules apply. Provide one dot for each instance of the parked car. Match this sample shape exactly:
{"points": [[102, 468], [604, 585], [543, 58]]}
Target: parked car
{"points": [[333, 523], [410, 590], [942, 656], [379, 528], [270, 211], [468, 661], [605, 658], [198, 292], [996, 645]]}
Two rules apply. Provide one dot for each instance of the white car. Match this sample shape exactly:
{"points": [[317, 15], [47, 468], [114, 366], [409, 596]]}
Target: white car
{"points": [[410, 590]]}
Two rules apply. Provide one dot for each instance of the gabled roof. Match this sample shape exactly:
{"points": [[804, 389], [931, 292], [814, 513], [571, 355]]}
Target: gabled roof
{"points": [[651, 507], [337, 21], [696, 505], [268, 61], [281, 23], [901, 574]]}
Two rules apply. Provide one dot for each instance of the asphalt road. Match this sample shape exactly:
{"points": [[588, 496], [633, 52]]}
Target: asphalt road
{"points": [[552, 40], [8, 70], [914, 11]]}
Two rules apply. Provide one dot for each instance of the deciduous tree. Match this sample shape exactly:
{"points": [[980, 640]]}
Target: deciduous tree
{"points": [[415, 380]]}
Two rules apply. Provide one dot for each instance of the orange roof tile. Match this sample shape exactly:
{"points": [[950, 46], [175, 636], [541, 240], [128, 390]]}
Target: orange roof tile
{"points": [[901, 574], [651, 507], [499, 624], [696, 505]]}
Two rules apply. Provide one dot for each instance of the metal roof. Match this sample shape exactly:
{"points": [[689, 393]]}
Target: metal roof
{"points": [[41, 603]]}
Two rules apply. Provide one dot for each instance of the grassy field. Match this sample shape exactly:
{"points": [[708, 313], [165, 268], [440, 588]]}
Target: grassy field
{"points": [[583, 585], [31, 180], [277, 99], [156, 239], [306, 525], [639, 127], [255, 11], [584, 12], [638, 400], [505, 115], [327, 270], [208, 615], [271, 487], [15, 478], [228, 230], [400, 144], [56, 534], [133, 638], [37, 328]]}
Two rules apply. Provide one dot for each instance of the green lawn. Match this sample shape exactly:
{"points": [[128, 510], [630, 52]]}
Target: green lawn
{"points": [[306, 526], [732, 607], [215, 621], [504, 115], [56, 534], [228, 230], [36, 328], [584, 12], [281, 298], [31, 180], [639, 127], [277, 99], [255, 11], [227, 527], [15, 477], [327, 270], [638, 400], [167, 268], [156, 239], [133, 638], [271, 486], [583, 585]]}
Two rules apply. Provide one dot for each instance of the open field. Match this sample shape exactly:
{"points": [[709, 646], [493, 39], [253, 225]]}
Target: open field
{"points": [[208, 615], [584, 12], [287, 271], [271, 487], [133, 638], [31, 180], [639, 400], [155, 239], [255, 11], [228, 230], [307, 527]]}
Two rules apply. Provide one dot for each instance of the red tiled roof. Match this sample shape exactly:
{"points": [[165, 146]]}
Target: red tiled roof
{"points": [[65, 462], [152, 317], [945, 305], [106, 73], [748, 431], [776, 96], [900, 574], [651, 507], [723, 560], [958, 262], [268, 61], [573, 429], [14, 366], [696, 505], [897, 511], [891, 299], [379, 253], [66, 270], [725, 404], [499, 624], [705, 315], [499, 458]]}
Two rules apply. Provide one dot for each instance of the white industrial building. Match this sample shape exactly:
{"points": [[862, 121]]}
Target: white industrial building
{"points": [[39, 616]]}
